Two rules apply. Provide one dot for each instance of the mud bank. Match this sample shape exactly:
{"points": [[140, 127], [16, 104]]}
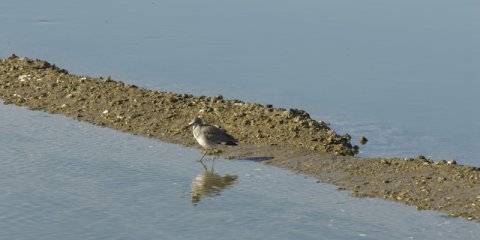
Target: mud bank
{"points": [[289, 138]]}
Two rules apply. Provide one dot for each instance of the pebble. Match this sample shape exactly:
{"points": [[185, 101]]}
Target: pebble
{"points": [[441, 179], [441, 162], [23, 78], [452, 162]]}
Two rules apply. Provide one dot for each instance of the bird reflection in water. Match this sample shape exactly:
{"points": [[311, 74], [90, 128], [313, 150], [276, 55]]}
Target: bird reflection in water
{"points": [[209, 183]]}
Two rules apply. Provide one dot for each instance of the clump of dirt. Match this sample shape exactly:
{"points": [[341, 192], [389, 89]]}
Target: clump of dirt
{"points": [[289, 138]]}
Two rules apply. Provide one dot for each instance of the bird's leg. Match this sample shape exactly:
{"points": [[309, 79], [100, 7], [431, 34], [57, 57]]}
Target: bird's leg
{"points": [[213, 163], [205, 167], [201, 162], [203, 155], [213, 156]]}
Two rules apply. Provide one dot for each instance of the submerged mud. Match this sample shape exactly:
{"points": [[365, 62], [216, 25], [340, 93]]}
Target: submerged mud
{"points": [[281, 137]]}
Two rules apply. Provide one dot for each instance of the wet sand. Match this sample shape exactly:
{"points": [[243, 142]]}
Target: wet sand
{"points": [[286, 138]]}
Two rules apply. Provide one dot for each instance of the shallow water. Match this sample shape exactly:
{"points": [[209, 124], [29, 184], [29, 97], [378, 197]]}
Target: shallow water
{"points": [[63, 179], [404, 74]]}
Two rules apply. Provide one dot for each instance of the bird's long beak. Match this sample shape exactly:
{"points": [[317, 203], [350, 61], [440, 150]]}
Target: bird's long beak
{"points": [[189, 125]]}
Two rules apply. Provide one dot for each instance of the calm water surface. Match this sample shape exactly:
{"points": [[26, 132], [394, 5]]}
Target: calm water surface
{"points": [[403, 73], [63, 179]]}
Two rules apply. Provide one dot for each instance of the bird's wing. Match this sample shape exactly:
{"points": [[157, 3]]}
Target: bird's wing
{"points": [[220, 135]]}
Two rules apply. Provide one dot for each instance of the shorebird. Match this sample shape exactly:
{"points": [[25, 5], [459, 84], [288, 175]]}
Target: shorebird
{"points": [[209, 136]]}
